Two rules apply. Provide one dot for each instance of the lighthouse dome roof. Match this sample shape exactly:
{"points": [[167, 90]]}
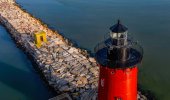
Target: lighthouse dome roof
{"points": [[118, 28]]}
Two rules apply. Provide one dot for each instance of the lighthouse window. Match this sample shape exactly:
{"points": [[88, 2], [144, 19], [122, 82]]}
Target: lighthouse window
{"points": [[117, 98]]}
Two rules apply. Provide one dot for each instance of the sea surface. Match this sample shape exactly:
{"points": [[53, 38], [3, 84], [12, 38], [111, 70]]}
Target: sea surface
{"points": [[87, 21], [18, 79]]}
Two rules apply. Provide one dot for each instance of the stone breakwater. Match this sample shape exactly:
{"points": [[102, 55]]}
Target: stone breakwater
{"points": [[9, 1], [66, 68]]}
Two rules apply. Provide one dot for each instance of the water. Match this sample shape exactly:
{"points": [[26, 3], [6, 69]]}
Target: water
{"points": [[18, 79], [86, 22]]}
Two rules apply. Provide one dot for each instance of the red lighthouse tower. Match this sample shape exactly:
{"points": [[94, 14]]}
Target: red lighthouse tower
{"points": [[118, 57]]}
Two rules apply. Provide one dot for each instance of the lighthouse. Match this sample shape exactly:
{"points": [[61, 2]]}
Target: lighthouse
{"points": [[117, 57]]}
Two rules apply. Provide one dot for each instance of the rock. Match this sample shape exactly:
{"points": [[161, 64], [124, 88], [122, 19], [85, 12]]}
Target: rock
{"points": [[70, 79], [38, 52], [142, 97], [81, 85], [54, 55], [79, 82], [65, 53], [88, 65], [69, 58], [58, 50], [94, 97], [138, 97], [47, 66], [84, 71], [84, 80], [88, 76], [64, 88], [94, 71], [60, 60], [92, 60], [87, 86], [89, 95], [82, 90], [61, 70], [73, 83], [44, 50], [62, 82], [73, 63], [73, 50], [93, 86], [64, 96], [83, 57], [51, 82], [48, 62], [85, 61], [65, 47], [75, 95], [39, 56], [92, 80], [75, 72], [75, 56]]}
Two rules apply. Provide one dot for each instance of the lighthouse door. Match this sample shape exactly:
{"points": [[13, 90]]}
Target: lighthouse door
{"points": [[41, 38]]}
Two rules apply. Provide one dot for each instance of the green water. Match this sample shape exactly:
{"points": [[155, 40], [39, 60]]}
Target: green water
{"points": [[18, 79], [86, 22]]}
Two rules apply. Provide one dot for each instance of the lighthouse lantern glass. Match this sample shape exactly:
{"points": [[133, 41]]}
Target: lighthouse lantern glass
{"points": [[121, 38]]}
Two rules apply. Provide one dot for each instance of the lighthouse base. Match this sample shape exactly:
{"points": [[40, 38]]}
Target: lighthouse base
{"points": [[118, 84]]}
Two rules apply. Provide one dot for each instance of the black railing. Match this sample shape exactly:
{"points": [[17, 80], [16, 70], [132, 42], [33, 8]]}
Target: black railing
{"points": [[122, 55]]}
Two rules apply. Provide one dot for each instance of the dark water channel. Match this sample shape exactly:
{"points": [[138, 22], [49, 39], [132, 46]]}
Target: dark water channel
{"points": [[18, 79]]}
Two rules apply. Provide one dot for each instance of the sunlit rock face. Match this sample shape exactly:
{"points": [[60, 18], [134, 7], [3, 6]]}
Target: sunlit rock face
{"points": [[9, 1]]}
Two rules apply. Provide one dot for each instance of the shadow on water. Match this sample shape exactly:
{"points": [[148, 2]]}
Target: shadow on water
{"points": [[8, 77], [18, 81]]}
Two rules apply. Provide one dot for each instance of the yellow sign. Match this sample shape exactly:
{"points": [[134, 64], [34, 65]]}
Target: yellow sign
{"points": [[40, 37]]}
